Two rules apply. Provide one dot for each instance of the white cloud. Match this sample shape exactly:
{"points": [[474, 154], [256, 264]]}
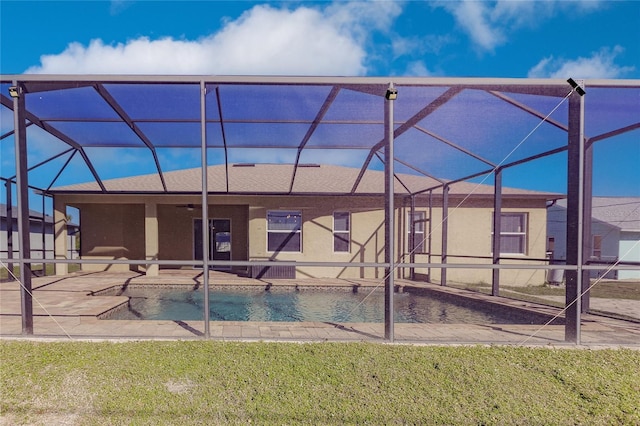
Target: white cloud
{"points": [[117, 6], [361, 17], [488, 23], [412, 46], [418, 69], [474, 18], [600, 64], [263, 40]]}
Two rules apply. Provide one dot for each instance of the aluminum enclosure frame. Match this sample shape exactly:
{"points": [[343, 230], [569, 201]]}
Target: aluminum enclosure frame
{"points": [[578, 147]]}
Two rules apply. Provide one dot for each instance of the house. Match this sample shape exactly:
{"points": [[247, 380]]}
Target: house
{"points": [[41, 234], [615, 234], [305, 213]]}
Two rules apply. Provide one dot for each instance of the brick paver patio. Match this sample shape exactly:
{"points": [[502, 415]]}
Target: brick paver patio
{"points": [[64, 307]]}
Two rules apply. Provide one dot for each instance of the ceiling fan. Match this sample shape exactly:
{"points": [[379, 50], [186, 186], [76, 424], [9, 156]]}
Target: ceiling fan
{"points": [[189, 207]]}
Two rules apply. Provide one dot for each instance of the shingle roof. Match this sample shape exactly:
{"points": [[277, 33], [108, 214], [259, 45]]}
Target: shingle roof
{"points": [[621, 212], [276, 179], [32, 213]]}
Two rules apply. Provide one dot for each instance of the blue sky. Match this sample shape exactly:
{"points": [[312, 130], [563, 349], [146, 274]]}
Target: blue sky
{"points": [[556, 39], [585, 39]]}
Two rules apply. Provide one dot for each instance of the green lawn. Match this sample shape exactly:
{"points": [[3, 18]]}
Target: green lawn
{"points": [[209, 382], [37, 269], [605, 289]]}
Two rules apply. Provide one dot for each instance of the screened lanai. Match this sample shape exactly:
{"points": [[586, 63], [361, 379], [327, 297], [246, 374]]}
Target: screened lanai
{"points": [[452, 139]]}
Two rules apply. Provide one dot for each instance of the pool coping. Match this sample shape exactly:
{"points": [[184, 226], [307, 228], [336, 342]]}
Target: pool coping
{"points": [[541, 314]]}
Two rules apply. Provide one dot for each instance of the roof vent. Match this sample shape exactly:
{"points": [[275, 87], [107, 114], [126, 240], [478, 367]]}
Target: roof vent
{"points": [[308, 165], [244, 165]]}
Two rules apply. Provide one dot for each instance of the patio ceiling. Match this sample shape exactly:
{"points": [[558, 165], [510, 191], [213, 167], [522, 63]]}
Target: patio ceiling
{"points": [[447, 129]]}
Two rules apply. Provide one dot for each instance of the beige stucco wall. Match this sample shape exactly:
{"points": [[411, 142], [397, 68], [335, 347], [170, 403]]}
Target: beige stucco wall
{"points": [[115, 229], [176, 239], [469, 234], [60, 236], [111, 231], [367, 234]]}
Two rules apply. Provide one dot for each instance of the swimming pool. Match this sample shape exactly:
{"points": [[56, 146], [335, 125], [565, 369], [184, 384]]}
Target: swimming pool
{"points": [[158, 303]]}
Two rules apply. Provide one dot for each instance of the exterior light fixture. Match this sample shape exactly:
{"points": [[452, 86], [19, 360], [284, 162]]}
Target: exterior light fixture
{"points": [[392, 94], [576, 86], [14, 92]]}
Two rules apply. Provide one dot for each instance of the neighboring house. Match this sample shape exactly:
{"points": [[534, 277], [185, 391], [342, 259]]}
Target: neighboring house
{"points": [[260, 212], [41, 234], [615, 233]]}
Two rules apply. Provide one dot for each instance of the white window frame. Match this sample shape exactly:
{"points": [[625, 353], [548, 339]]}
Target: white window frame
{"points": [[523, 233], [419, 235], [344, 234], [284, 231]]}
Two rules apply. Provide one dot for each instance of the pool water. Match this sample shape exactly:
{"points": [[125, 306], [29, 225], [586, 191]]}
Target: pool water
{"points": [[306, 305]]}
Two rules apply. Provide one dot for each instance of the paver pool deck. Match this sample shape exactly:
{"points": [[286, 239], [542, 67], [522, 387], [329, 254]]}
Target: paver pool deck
{"points": [[66, 307]]}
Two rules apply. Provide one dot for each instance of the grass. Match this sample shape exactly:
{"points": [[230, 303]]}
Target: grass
{"points": [[36, 268], [605, 289], [206, 382], [629, 290]]}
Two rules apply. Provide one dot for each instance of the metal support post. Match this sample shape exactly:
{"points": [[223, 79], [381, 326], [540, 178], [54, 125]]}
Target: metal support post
{"points": [[389, 214], [43, 236], [20, 136], [587, 238], [445, 231], [575, 219], [9, 228], [430, 229], [205, 208], [497, 228], [412, 237]]}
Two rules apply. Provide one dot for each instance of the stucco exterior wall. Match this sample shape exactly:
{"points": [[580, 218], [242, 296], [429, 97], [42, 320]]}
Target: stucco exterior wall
{"points": [[470, 229], [367, 234], [630, 252], [613, 246], [111, 231], [35, 240], [470, 234], [113, 227], [176, 234]]}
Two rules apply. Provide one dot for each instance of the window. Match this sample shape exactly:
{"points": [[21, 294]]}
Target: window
{"points": [[417, 244], [284, 231], [341, 232], [597, 246], [551, 246], [513, 233]]}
